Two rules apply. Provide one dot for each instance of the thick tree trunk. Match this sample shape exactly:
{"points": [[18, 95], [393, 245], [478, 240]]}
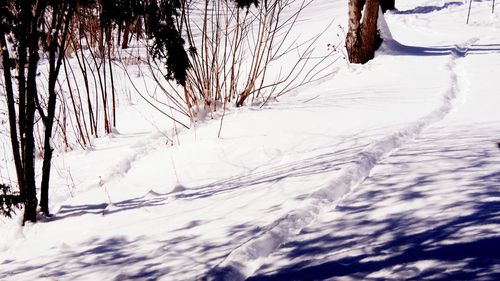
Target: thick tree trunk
{"points": [[22, 136], [362, 37], [27, 114]]}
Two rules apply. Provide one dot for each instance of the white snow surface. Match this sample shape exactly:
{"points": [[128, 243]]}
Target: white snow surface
{"points": [[388, 170]]}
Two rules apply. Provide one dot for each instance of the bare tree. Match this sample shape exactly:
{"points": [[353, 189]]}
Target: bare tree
{"points": [[21, 19], [233, 51], [32, 25], [239, 45]]}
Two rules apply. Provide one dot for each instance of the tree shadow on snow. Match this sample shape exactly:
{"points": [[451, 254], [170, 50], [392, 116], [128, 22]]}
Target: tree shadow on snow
{"points": [[151, 199], [338, 155], [412, 219], [398, 49], [319, 164], [95, 255], [428, 9], [179, 256]]}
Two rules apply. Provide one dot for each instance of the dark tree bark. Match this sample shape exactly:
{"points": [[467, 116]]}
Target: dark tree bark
{"points": [[362, 37], [12, 112], [22, 139], [33, 38], [26, 31], [387, 5], [31, 200], [126, 33]]}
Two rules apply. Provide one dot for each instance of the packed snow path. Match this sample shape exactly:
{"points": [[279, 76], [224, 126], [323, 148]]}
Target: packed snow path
{"points": [[242, 262], [178, 213], [429, 211]]}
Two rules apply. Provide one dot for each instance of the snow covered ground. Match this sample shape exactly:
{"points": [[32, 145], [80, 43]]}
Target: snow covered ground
{"points": [[388, 170]]}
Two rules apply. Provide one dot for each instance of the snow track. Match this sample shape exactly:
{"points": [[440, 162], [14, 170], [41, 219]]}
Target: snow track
{"points": [[243, 261], [139, 149]]}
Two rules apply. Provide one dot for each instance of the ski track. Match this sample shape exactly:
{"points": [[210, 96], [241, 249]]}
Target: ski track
{"points": [[141, 149], [243, 261]]}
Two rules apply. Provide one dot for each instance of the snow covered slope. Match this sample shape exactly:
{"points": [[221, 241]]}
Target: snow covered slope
{"points": [[431, 209], [385, 170]]}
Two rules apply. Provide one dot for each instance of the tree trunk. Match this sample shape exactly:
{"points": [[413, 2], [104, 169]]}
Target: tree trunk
{"points": [[12, 112], [30, 46], [22, 135], [362, 37], [126, 32], [49, 123], [31, 200], [21, 79]]}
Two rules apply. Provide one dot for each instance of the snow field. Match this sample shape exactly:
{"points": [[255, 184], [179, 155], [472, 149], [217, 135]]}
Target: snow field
{"points": [[428, 210], [243, 261]]}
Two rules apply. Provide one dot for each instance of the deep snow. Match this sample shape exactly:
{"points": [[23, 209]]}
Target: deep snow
{"points": [[385, 170]]}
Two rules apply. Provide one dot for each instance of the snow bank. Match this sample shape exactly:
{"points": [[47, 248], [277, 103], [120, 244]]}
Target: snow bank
{"points": [[243, 261], [383, 27]]}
